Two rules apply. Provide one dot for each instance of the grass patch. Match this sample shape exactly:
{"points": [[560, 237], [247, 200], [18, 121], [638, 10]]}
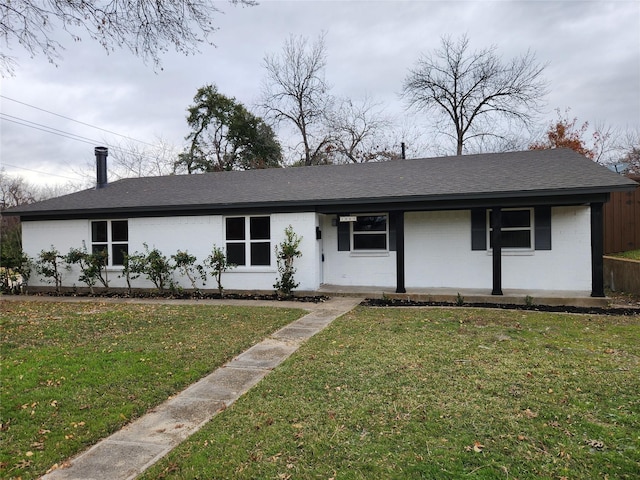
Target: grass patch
{"points": [[631, 255], [73, 373], [436, 393]]}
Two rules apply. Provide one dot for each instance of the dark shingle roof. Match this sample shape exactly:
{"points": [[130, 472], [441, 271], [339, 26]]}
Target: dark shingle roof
{"points": [[515, 174]]}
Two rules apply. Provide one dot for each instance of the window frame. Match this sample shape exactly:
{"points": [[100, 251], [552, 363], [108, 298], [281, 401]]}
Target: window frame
{"points": [[249, 242], [109, 243], [531, 229], [369, 251]]}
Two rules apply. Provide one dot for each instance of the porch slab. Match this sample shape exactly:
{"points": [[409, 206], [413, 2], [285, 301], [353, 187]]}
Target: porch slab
{"points": [[510, 296]]}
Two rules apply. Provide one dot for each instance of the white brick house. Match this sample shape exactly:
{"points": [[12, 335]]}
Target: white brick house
{"points": [[522, 220]]}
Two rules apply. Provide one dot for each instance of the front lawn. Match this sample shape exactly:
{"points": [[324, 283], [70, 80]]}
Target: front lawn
{"points": [[73, 373], [436, 393]]}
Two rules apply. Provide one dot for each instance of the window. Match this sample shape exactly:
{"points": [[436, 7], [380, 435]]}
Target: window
{"points": [[516, 229], [370, 232], [248, 238], [111, 236], [523, 228]]}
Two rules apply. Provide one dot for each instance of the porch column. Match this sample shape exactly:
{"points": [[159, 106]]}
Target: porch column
{"points": [[597, 250], [496, 240], [399, 223]]}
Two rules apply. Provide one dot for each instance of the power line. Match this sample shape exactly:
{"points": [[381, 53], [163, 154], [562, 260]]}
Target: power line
{"points": [[37, 171], [47, 129], [76, 121], [72, 136]]}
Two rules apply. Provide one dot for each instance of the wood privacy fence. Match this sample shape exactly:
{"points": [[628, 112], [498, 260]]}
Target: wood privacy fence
{"points": [[622, 221]]}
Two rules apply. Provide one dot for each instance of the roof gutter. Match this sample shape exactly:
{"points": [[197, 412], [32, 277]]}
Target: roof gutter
{"points": [[422, 203]]}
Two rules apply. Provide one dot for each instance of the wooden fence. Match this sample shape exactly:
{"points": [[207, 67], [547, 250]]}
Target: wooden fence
{"points": [[622, 221]]}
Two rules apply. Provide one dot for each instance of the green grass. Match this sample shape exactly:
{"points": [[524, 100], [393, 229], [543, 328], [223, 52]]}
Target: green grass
{"points": [[71, 374], [436, 393], [631, 254]]}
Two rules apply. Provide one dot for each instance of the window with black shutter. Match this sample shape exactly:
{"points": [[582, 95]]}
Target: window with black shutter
{"points": [[522, 229]]}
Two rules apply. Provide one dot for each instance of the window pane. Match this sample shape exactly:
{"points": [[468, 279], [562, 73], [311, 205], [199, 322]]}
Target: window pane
{"points": [[376, 241], [120, 231], [98, 231], [118, 252], [514, 239], [260, 229], [513, 218], [236, 253], [235, 229], [260, 253], [98, 248], [371, 224]]}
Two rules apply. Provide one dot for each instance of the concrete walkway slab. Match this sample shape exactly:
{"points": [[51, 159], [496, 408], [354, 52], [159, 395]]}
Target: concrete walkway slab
{"points": [[130, 451]]}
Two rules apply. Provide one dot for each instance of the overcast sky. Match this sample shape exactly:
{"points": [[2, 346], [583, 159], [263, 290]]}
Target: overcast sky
{"points": [[593, 50]]}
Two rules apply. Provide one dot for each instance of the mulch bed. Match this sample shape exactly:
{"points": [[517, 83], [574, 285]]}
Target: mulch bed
{"points": [[617, 310], [187, 296]]}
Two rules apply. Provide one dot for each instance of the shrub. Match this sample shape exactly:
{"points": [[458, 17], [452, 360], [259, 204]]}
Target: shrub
{"points": [[186, 265], [218, 264], [132, 268], [286, 252], [14, 276], [50, 264], [157, 268], [92, 266]]}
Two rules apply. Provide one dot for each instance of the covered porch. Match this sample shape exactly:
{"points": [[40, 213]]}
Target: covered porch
{"points": [[472, 295]]}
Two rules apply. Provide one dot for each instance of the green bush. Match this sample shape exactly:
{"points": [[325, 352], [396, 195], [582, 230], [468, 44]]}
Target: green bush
{"points": [[50, 265], [218, 264], [186, 265], [286, 252], [92, 266]]}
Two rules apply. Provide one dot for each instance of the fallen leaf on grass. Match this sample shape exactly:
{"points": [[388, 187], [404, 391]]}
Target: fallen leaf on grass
{"points": [[22, 464], [597, 444], [476, 447]]}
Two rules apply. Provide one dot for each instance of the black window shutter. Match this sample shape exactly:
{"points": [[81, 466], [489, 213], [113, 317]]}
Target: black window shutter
{"points": [[344, 236], [478, 229], [543, 228], [392, 231]]}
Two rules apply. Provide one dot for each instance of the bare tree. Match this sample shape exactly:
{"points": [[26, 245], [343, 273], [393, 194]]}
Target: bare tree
{"points": [[15, 191], [475, 94], [357, 131], [146, 27], [295, 91], [628, 146], [130, 159]]}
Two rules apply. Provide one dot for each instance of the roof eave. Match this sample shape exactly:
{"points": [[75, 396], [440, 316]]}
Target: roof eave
{"points": [[417, 202]]}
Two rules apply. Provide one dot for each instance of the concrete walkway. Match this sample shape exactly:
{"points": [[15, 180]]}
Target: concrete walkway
{"points": [[136, 447]]}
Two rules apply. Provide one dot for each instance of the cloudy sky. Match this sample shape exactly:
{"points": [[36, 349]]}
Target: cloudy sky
{"points": [[592, 49]]}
